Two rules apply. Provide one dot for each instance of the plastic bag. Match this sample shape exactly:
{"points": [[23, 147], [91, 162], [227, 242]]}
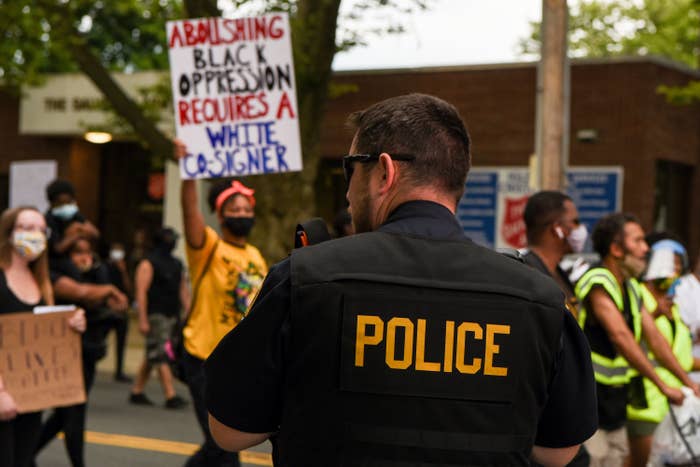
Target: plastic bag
{"points": [[677, 438]]}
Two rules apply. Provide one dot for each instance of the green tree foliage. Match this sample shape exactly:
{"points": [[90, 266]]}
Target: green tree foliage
{"points": [[96, 37], [602, 28]]}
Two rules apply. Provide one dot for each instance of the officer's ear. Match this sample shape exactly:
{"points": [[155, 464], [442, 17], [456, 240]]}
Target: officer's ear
{"points": [[389, 175]]}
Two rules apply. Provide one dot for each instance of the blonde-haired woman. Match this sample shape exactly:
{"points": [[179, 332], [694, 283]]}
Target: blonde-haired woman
{"points": [[24, 284]]}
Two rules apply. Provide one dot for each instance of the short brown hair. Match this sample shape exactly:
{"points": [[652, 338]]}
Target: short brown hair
{"points": [[424, 126]]}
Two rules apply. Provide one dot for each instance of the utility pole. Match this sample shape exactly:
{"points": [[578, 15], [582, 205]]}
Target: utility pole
{"points": [[553, 89]]}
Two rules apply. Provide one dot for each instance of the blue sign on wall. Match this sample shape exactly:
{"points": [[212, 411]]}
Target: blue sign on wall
{"points": [[596, 191], [477, 208]]}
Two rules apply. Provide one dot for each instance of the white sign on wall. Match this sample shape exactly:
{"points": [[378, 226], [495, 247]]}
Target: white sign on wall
{"points": [[235, 96], [28, 181]]}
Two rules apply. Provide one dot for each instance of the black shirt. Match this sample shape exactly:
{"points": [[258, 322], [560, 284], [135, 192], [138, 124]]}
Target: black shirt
{"points": [[9, 302], [256, 406], [164, 292]]}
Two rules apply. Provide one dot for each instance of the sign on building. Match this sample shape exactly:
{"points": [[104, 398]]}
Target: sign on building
{"points": [[235, 96], [491, 210], [28, 181]]}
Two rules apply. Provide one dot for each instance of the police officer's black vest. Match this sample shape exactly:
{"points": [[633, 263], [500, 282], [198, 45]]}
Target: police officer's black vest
{"points": [[407, 351]]}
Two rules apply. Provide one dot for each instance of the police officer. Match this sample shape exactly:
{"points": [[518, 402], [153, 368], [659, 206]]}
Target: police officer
{"points": [[614, 320], [406, 344]]}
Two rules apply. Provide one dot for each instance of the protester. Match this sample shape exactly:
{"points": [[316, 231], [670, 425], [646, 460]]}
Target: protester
{"points": [[24, 284], [91, 289], [65, 222], [688, 300], [405, 344], [119, 277], [648, 406], [553, 230], [614, 320], [226, 274], [161, 293]]}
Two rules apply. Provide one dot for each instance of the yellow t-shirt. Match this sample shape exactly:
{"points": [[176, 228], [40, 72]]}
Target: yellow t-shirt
{"points": [[226, 291]]}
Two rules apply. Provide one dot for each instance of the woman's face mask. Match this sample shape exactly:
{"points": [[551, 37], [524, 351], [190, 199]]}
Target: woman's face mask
{"points": [[29, 244], [239, 226], [65, 211]]}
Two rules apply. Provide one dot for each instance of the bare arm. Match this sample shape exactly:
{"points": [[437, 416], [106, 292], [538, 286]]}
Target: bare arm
{"points": [[8, 408], [554, 457], [662, 350], [611, 319], [185, 296], [144, 277], [192, 216], [92, 294], [230, 439]]}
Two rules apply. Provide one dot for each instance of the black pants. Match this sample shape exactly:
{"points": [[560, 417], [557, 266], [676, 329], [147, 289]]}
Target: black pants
{"points": [[121, 329], [209, 454], [18, 439], [71, 419]]}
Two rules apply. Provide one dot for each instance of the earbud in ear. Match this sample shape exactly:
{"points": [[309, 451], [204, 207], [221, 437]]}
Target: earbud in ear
{"points": [[559, 232]]}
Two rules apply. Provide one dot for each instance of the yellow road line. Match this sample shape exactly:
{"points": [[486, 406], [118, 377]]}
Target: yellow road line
{"points": [[163, 445]]}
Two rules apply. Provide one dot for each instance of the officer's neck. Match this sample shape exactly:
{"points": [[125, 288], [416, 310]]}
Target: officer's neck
{"points": [[395, 199]]}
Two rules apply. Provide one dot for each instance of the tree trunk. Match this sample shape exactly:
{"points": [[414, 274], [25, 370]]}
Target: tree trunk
{"points": [[284, 200]]}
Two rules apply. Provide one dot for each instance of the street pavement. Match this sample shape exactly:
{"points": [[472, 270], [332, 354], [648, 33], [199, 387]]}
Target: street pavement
{"points": [[120, 434]]}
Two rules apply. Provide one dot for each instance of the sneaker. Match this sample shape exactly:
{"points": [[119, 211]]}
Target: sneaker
{"points": [[122, 378], [139, 399], [175, 402]]}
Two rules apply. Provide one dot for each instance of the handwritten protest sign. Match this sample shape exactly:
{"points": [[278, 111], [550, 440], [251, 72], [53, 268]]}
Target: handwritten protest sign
{"points": [[234, 95], [40, 360]]}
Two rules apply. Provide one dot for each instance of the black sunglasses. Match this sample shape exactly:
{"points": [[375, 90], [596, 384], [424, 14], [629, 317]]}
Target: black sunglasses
{"points": [[350, 159]]}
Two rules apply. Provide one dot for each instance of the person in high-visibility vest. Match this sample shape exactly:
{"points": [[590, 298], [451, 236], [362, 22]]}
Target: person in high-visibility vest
{"points": [[614, 320], [649, 406]]}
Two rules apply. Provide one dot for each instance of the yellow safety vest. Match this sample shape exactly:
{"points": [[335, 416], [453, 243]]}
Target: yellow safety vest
{"points": [[610, 371], [682, 345]]}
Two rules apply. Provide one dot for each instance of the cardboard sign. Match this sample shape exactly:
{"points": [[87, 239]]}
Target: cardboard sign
{"points": [[234, 96], [40, 360]]}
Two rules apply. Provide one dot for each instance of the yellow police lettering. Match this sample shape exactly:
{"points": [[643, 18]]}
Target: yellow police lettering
{"points": [[449, 345], [421, 364], [407, 359], [462, 331], [492, 349], [363, 339], [415, 332]]}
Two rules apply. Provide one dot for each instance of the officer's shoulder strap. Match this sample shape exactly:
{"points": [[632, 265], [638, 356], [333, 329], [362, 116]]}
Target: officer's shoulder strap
{"points": [[511, 253], [599, 276]]}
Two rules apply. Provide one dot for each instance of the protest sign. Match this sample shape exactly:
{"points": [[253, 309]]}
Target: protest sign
{"points": [[234, 96], [40, 360]]}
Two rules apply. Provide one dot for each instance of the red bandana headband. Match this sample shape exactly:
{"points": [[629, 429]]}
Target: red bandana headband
{"points": [[236, 188]]}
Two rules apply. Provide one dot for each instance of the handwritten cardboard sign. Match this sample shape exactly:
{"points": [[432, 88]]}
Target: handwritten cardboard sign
{"points": [[234, 95], [40, 360]]}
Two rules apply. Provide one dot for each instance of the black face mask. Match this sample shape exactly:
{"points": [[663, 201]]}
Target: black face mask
{"points": [[239, 226]]}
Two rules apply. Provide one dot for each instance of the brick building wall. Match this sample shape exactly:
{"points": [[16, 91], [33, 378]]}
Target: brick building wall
{"points": [[636, 127]]}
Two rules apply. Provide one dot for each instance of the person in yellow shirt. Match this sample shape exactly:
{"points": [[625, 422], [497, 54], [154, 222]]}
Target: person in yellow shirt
{"points": [[647, 407], [226, 273]]}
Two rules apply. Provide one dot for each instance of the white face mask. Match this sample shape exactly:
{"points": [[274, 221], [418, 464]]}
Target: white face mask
{"points": [[29, 245], [66, 211], [577, 238], [116, 255]]}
